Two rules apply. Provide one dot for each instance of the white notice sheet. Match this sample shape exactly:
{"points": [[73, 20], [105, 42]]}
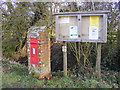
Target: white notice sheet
{"points": [[93, 32], [64, 20], [73, 32]]}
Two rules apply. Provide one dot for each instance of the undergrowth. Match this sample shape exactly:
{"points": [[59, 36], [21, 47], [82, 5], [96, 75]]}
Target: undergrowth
{"points": [[15, 75]]}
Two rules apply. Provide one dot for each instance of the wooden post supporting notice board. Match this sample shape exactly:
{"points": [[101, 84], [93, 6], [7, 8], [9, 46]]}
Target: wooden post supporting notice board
{"points": [[82, 27], [64, 49], [98, 60]]}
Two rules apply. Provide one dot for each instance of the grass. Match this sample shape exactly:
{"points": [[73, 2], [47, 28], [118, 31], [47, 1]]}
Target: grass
{"points": [[16, 76]]}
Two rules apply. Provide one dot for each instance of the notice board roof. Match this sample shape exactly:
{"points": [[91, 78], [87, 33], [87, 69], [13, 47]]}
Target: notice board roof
{"points": [[83, 12]]}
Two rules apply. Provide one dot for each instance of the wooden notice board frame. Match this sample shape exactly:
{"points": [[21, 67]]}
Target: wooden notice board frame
{"points": [[78, 23]]}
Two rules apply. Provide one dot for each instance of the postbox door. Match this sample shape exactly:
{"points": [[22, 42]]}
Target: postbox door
{"points": [[34, 51]]}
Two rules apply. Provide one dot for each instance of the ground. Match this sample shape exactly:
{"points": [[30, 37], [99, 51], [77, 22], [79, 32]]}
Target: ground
{"points": [[15, 75]]}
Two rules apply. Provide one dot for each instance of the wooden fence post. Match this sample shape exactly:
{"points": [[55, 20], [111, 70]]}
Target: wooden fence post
{"points": [[64, 49], [98, 61]]}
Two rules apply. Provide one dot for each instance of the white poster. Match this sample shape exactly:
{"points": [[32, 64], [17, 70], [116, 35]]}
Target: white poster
{"points": [[73, 32], [93, 32], [64, 20]]}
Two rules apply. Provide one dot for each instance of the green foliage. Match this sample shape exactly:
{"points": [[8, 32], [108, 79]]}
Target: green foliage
{"points": [[17, 19], [56, 58], [15, 75], [92, 83], [0, 75], [110, 58], [10, 79], [15, 23], [63, 82]]}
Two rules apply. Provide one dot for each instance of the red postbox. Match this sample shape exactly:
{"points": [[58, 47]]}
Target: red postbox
{"points": [[39, 52], [34, 51]]}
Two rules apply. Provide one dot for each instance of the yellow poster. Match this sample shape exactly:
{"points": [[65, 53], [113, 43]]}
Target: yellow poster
{"points": [[94, 21]]}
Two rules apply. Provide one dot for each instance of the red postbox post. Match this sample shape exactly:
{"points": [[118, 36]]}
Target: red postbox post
{"points": [[39, 52]]}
